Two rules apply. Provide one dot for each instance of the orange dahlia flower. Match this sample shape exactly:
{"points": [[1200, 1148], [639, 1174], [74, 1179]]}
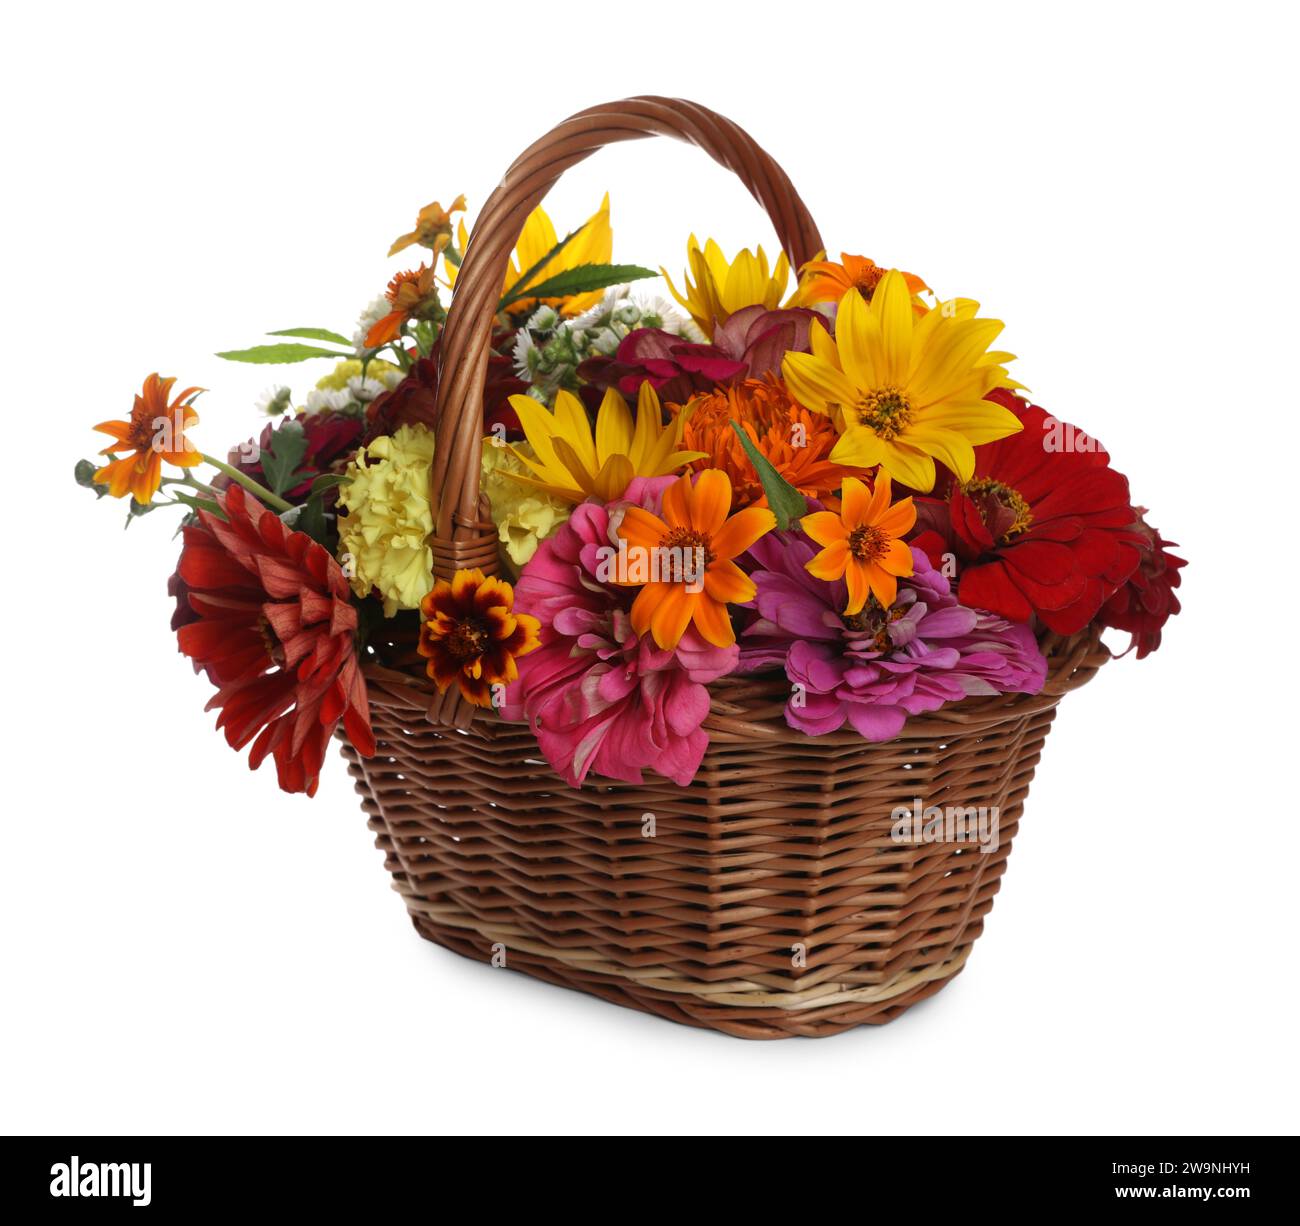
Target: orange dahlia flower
{"points": [[797, 442], [408, 292], [155, 432], [827, 281], [863, 543], [470, 635], [689, 551]]}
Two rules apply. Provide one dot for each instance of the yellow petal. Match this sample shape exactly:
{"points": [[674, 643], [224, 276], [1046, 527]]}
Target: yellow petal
{"points": [[613, 428], [816, 384]]}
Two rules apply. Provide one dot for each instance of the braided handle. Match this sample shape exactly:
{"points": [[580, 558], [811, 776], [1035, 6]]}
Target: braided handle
{"points": [[463, 534]]}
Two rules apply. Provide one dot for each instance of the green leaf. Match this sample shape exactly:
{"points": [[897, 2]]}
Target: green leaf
{"points": [[280, 460], [327, 481], [85, 475], [581, 280], [316, 334], [785, 501], [197, 503], [518, 288], [312, 520], [280, 355]]}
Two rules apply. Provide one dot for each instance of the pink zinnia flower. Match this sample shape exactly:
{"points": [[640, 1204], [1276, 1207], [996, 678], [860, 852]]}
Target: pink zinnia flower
{"points": [[598, 697], [876, 668]]}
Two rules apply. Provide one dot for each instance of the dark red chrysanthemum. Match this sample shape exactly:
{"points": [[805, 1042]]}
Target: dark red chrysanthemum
{"points": [[415, 398], [275, 631], [1044, 527], [1146, 600], [332, 439]]}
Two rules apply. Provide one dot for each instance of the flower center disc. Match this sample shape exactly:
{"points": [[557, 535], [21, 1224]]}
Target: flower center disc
{"points": [[867, 544], [467, 640], [1004, 510], [688, 540], [886, 410]]}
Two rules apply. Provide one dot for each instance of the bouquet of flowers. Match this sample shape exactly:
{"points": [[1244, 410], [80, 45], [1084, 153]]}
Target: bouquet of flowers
{"points": [[824, 473]]}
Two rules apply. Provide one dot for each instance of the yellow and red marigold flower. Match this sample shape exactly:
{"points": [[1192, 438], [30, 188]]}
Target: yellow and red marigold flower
{"points": [[273, 627], [863, 543], [471, 636], [156, 432], [827, 281], [796, 442], [903, 391], [693, 525], [432, 228], [407, 292]]}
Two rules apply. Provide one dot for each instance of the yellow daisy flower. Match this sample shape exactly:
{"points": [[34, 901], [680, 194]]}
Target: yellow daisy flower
{"points": [[722, 287], [568, 461], [593, 244], [905, 391]]}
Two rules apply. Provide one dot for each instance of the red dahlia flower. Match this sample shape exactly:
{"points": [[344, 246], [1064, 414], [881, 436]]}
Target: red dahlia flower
{"points": [[1044, 527], [1146, 600], [276, 633]]}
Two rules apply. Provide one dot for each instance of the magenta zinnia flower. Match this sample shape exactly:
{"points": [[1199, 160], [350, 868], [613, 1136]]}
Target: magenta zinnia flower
{"points": [[599, 698], [878, 667]]}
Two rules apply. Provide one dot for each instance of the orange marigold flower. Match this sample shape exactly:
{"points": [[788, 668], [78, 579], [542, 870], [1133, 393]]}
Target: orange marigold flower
{"points": [[863, 543], [797, 442], [690, 551], [408, 292], [827, 281], [155, 432], [470, 635], [432, 228]]}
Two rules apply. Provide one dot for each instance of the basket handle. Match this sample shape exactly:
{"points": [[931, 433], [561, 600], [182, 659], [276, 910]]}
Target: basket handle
{"points": [[463, 535]]}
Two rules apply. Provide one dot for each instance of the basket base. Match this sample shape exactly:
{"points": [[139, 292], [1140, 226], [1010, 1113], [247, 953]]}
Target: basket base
{"points": [[739, 1022]]}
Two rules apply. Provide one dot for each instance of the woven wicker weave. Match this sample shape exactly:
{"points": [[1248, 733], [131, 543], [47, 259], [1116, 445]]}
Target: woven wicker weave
{"points": [[770, 899]]}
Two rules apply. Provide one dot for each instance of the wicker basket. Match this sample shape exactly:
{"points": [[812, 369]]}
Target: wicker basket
{"points": [[771, 899]]}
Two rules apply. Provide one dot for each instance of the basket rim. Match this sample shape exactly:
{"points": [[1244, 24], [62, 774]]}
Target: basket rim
{"points": [[751, 707]]}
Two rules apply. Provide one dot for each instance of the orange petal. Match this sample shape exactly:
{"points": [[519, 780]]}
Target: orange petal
{"points": [[856, 502], [824, 527], [859, 589], [676, 505], [897, 559], [644, 606], [726, 582], [712, 621], [830, 563], [710, 501], [899, 520], [641, 529], [673, 615], [883, 584], [741, 530], [880, 495]]}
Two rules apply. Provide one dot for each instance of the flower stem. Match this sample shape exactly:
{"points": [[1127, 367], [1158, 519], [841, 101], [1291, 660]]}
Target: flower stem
{"points": [[265, 495]]}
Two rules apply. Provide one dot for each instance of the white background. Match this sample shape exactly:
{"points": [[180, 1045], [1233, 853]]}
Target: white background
{"points": [[186, 949]]}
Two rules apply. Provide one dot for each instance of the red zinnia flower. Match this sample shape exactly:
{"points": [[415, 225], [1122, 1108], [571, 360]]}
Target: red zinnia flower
{"points": [[276, 633], [1146, 601], [1043, 527]]}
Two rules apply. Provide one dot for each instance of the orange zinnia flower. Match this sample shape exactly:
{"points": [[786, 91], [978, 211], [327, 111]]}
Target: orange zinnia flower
{"points": [[863, 544], [695, 525], [827, 281], [470, 635], [797, 442], [408, 292], [156, 432]]}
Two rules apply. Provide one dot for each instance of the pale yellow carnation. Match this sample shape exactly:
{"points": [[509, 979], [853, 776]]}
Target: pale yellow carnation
{"points": [[383, 539], [524, 515]]}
